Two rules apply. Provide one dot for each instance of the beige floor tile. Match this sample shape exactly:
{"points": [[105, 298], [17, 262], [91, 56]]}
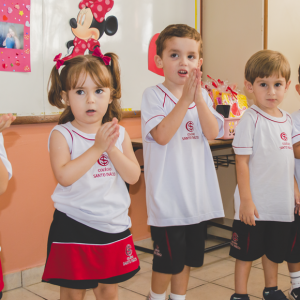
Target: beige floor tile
{"points": [[12, 281], [282, 268], [222, 253], [146, 257], [211, 242], [256, 282], [20, 294], [45, 290], [213, 268], [145, 267], [147, 243]]}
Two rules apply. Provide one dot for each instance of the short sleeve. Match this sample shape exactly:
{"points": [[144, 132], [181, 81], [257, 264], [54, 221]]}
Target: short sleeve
{"points": [[152, 112], [296, 127], [3, 156], [219, 117], [66, 132], [244, 135]]}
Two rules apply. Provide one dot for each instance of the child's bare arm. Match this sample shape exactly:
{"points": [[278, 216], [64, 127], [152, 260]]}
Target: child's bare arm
{"points": [[125, 163], [209, 123], [166, 129], [297, 150], [68, 171], [247, 207], [5, 121], [3, 177], [297, 197]]}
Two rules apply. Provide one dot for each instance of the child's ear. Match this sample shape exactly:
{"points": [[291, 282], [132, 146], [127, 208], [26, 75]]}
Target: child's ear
{"points": [[64, 96], [200, 63], [158, 61], [248, 86], [298, 88], [287, 85], [110, 101]]}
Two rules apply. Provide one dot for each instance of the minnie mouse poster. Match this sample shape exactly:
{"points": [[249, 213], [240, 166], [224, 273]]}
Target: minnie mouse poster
{"points": [[90, 25]]}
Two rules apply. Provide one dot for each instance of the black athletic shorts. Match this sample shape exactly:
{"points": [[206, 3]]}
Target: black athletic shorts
{"points": [[177, 246], [81, 257], [293, 250], [268, 238]]}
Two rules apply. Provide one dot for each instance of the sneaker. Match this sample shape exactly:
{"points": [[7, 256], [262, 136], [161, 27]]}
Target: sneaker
{"points": [[294, 294], [275, 295], [240, 298]]}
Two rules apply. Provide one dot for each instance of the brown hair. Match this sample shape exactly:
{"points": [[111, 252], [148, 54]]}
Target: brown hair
{"points": [[266, 63], [177, 30], [102, 75]]}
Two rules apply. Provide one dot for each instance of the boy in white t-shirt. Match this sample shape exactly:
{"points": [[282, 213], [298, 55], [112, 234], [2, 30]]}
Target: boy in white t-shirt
{"points": [[182, 188], [264, 198], [293, 253]]}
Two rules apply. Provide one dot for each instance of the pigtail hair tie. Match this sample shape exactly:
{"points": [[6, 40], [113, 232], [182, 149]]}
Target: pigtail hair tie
{"points": [[59, 61], [106, 59]]}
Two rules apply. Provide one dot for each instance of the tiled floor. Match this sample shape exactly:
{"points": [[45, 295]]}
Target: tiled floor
{"points": [[212, 281]]}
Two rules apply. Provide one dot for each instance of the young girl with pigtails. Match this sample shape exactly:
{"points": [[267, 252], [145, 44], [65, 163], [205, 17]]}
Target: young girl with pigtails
{"points": [[90, 245]]}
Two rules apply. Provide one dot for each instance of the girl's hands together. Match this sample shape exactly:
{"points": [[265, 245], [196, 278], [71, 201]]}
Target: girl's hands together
{"points": [[107, 136], [5, 121]]}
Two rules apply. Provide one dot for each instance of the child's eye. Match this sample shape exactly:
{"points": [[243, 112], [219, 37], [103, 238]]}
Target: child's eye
{"points": [[99, 91], [263, 84], [191, 57], [174, 55], [277, 84], [80, 92]]}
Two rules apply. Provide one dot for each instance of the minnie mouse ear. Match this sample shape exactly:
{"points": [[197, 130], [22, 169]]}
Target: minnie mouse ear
{"points": [[111, 25]]}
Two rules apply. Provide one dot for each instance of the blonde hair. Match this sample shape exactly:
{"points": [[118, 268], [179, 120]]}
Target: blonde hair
{"points": [[102, 75], [177, 30], [266, 63]]}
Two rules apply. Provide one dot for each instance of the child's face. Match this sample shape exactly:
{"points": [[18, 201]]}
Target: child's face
{"points": [[179, 58], [268, 91], [88, 101]]}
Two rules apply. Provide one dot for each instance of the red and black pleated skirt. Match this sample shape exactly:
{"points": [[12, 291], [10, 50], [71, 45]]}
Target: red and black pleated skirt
{"points": [[80, 257], [1, 280]]}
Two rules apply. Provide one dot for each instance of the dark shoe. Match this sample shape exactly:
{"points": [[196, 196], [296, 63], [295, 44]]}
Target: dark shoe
{"points": [[234, 297], [294, 294], [274, 295]]}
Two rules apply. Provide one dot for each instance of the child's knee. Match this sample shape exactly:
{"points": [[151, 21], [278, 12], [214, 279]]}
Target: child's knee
{"points": [[106, 292]]}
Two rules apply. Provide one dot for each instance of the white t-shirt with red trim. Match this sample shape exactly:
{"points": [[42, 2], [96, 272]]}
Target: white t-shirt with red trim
{"points": [[99, 199], [181, 182], [3, 157], [296, 120], [269, 142]]}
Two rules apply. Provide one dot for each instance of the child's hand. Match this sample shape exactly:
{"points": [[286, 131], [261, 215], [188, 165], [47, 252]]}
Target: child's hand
{"points": [[114, 140], [247, 212], [107, 135], [297, 209], [5, 121], [189, 88], [198, 93]]}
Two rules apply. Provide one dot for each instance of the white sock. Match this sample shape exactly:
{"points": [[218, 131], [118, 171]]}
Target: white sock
{"points": [[177, 297], [154, 296], [295, 277]]}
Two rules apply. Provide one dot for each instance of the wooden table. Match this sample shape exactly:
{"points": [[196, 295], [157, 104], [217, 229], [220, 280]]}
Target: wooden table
{"points": [[214, 145]]}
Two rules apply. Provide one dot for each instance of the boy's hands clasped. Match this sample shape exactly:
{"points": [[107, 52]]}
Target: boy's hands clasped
{"points": [[192, 88], [107, 136]]}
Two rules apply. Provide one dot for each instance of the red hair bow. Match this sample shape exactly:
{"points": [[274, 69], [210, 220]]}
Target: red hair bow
{"points": [[106, 59], [59, 61]]}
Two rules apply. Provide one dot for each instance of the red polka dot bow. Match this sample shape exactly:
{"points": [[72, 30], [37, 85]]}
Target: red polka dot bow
{"points": [[98, 53], [99, 8]]}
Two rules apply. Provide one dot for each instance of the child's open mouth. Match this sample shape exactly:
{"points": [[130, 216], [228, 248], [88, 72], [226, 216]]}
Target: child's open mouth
{"points": [[182, 73], [90, 112]]}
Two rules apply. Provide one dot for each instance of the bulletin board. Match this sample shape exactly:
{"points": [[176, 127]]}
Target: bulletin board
{"points": [[26, 93]]}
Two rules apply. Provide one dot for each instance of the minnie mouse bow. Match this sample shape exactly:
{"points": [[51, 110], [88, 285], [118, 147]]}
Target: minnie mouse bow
{"points": [[97, 53], [59, 61]]}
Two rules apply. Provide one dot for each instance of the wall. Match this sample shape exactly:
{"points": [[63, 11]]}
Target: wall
{"points": [[283, 36], [26, 208]]}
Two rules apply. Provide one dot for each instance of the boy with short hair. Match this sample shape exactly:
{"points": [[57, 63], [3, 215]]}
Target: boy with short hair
{"points": [[182, 187], [264, 197]]}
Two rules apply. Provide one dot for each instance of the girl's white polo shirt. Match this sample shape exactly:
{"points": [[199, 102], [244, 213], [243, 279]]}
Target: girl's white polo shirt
{"points": [[3, 157], [181, 181], [269, 142]]}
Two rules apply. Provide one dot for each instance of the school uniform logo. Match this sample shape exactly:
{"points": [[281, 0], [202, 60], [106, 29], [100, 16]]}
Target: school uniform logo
{"points": [[234, 241], [283, 136], [157, 251], [189, 126], [130, 257], [128, 250], [103, 160]]}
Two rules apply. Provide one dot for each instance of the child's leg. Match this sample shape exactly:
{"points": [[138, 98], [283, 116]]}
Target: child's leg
{"points": [[270, 271], [241, 275], [106, 292], [71, 294], [160, 282], [179, 282]]}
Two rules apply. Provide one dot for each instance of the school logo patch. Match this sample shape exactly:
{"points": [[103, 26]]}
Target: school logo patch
{"points": [[128, 250], [103, 160], [189, 126], [283, 136], [157, 251], [234, 241], [235, 237]]}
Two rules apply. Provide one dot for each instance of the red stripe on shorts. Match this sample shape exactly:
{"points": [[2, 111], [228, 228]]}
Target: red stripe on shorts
{"points": [[168, 243], [294, 242], [73, 261]]}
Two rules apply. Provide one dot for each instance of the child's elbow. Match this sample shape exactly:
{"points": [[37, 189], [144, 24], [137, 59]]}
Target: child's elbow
{"points": [[3, 187], [135, 178]]}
